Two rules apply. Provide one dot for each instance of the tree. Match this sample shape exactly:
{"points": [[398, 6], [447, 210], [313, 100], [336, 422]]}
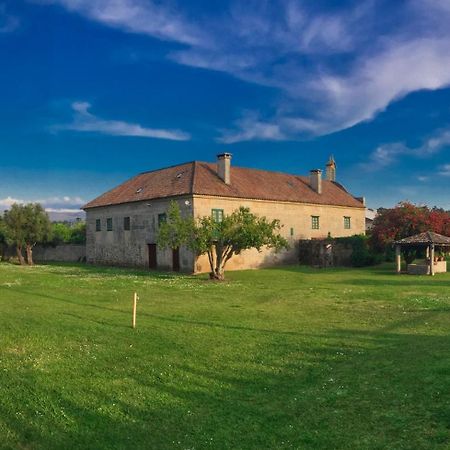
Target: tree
{"points": [[220, 240], [78, 233], [405, 220], [14, 221], [60, 233], [68, 233], [440, 221], [27, 225], [2, 238]]}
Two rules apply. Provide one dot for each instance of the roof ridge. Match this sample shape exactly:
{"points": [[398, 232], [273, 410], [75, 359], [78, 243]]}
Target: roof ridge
{"points": [[167, 167], [258, 170], [194, 166]]}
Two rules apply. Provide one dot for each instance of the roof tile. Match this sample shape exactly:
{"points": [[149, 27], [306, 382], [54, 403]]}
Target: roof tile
{"points": [[201, 178]]}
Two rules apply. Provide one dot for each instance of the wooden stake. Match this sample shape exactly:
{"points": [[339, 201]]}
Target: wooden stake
{"points": [[135, 299]]}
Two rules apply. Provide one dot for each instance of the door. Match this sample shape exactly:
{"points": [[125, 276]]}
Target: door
{"points": [[176, 259], [152, 257]]}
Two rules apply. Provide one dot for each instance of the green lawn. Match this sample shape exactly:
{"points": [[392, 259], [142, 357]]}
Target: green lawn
{"points": [[271, 359]]}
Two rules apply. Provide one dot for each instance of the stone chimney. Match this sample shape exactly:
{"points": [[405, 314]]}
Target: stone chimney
{"points": [[331, 169], [315, 180], [224, 167]]}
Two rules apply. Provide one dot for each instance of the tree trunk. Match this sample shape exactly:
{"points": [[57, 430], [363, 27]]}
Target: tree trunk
{"points": [[30, 255], [217, 275], [218, 260], [19, 255]]}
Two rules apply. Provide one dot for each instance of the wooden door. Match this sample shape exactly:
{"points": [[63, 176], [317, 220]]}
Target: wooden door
{"points": [[152, 257], [176, 259]]}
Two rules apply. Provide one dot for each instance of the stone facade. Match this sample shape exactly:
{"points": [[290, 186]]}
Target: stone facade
{"points": [[131, 247], [296, 220]]}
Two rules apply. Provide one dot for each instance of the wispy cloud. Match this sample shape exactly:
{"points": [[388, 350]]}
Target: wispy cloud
{"points": [[66, 205], [8, 22], [331, 70], [252, 127], [148, 17], [387, 154], [444, 170], [84, 121]]}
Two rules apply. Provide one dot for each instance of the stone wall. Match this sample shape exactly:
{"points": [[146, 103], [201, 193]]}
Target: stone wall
{"points": [[60, 253], [47, 253], [130, 247], [295, 219]]}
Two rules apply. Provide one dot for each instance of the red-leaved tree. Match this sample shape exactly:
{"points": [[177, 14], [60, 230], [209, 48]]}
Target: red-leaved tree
{"points": [[407, 219]]}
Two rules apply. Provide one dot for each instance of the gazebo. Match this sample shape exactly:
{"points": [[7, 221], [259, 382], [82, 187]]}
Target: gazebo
{"points": [[429, 240]]}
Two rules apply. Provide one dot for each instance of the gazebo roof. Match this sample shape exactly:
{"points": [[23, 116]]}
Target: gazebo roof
{"points": [[427, 238]]}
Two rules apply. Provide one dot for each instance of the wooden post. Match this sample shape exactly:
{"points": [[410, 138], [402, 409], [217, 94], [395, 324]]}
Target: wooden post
{"points": [[432, 260], [398, 258], [135, 299]]}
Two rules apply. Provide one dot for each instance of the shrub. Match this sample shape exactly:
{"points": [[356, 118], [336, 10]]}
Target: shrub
{"points": [[361, 254]]}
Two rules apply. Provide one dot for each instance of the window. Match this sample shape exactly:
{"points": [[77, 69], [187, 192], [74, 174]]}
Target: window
{"points": [[217, 215], [98, 225], [162, 218], [126, 223], [109, 224], [292, 232], [347, 223], [315, 222]]}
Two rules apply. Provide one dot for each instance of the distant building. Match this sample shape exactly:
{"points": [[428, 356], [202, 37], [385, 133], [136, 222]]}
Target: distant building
{"points": [[122, 224], [370, 217]]}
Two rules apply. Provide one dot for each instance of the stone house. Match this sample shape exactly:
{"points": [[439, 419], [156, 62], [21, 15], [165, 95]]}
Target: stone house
{"points": [[122, 224]]}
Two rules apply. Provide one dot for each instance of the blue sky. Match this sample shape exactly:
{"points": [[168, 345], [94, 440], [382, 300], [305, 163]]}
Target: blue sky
{"points": [[95, 91]]}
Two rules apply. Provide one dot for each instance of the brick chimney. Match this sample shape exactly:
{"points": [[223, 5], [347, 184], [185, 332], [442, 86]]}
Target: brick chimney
{"points": [[224, 167], [315, 180]]}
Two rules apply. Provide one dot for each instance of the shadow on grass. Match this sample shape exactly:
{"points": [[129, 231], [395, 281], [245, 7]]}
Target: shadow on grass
{"points": [[153, 316], [346, 389], [400, 281], [114, 270]]}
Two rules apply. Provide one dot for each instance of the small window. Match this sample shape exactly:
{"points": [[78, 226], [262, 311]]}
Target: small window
{"points": [[217, 215], [347, 223], [98, 225], [109, 224], [292, 232], [126, 223], [315, 222], [162, 218]]}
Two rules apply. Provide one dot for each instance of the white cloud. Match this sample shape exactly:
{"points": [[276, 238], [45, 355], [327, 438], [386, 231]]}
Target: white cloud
{"points": [[330, 70], [387, 154], [251, 127], [51, 204], [7, 202], [84, 121], [138, 16], [444, 170]]}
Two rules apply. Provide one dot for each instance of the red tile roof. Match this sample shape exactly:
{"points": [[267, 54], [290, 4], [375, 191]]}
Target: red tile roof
{"points": [[201, 178]]}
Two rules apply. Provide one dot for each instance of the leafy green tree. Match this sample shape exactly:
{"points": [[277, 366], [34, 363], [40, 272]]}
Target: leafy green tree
{"points": [[2, 238], [14, 224], [78, 233], [67, 233], [27, 225], [220, 241], [60, 233]]}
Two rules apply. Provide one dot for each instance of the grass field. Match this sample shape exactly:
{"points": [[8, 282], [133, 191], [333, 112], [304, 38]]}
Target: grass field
{"points": [[272, 359]]}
